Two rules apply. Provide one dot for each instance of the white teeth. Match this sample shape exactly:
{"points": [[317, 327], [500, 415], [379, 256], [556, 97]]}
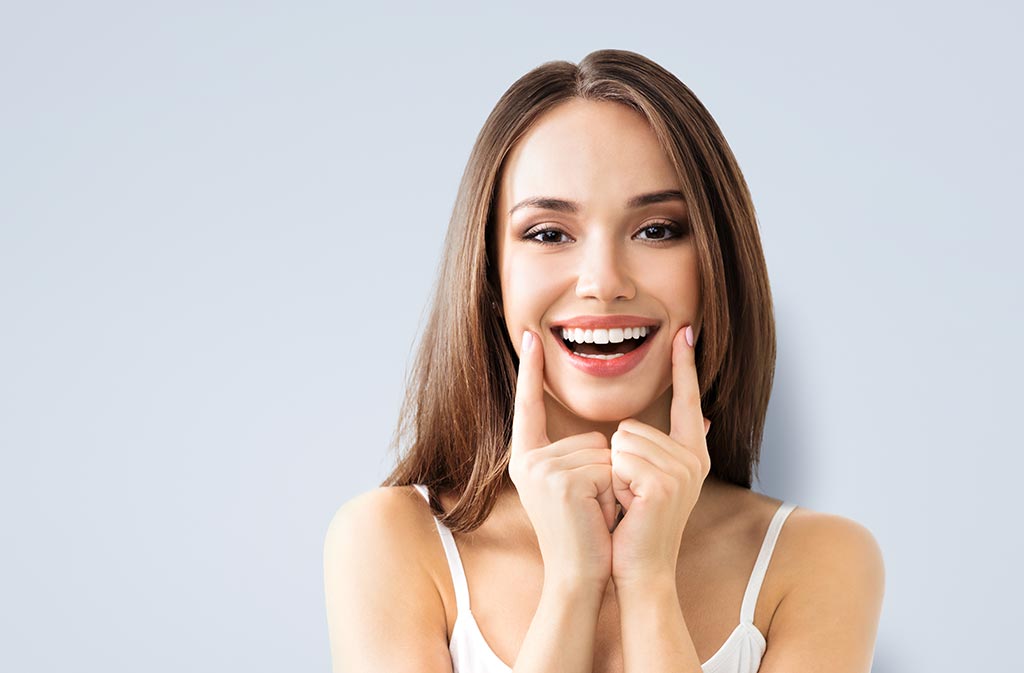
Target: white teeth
{"points": [[610, 356], [603, 336]]}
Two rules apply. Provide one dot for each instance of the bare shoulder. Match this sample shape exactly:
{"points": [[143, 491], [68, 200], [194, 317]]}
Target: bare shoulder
{"points": [[833, 582], [394, 521], [381, 598], [384, 511], [819, 544]]}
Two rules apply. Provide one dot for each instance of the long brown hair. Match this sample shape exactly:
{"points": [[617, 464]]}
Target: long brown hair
{"points": [[456, 419]]}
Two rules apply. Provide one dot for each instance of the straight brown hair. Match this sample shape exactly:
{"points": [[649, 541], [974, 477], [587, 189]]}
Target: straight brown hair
{"points": [[456, 418]]}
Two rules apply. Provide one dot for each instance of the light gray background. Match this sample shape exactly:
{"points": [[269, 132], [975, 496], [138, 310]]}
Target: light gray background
{"points": [[220, 223]]}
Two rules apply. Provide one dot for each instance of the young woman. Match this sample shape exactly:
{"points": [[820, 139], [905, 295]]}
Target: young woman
{"points": [[584, 416]]}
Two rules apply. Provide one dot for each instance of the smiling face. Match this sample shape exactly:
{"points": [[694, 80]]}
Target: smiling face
{"points": [[586, 250]]}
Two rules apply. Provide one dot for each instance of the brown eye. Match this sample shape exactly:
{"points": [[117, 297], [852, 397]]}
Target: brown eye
{"points": [[662, 231], [544, 236]]}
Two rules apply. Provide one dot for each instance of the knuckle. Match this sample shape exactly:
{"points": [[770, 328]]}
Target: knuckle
{"points": [[522, 467], [532, 464], [691, 463], [705, 463], [560, 483], [681, 473], [664, 489]]}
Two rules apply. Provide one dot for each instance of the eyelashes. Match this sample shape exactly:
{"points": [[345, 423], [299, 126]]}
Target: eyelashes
{"points": [[532, 237], [672, 231]]}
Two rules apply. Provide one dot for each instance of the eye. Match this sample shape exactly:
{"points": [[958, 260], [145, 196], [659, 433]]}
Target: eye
{"points": [[547, 236], [663, 231]]}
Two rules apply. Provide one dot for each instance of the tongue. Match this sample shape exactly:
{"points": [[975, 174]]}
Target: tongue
{"points": [[625, 346]]}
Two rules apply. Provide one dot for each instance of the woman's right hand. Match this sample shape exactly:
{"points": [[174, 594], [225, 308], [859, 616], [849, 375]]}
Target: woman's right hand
{"points": [[565, 487]]}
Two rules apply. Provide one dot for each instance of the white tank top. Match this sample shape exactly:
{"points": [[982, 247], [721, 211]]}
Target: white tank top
{"points": [[740, 653]]}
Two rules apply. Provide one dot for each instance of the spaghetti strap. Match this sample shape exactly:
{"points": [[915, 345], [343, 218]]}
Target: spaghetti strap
{"points": [[761, 565], [451, 551]]}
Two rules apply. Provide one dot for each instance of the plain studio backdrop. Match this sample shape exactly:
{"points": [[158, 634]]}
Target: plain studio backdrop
{"points": [[220, 224]]}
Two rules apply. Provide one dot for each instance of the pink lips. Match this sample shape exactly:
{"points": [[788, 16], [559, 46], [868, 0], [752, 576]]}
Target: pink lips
{"points": [[617, 366]]}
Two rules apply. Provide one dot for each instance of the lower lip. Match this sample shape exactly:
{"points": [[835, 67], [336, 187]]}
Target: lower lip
{"points": [[615, 367]]}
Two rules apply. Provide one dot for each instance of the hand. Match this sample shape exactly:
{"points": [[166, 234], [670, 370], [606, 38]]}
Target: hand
{"points": [[658, 477], [565, 486]]}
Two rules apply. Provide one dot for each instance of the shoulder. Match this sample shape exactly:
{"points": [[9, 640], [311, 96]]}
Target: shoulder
{"points": [[378, 511], [379, 587], [820, 545], [833, 579], [388, 524], [813, 545]]}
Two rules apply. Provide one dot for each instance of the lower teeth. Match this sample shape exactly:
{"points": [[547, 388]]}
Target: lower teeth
{"points": [[598, 356]]}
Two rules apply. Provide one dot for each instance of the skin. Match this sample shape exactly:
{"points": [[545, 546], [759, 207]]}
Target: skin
{"points": [[604, 259], [598, 154], [821, 598]]}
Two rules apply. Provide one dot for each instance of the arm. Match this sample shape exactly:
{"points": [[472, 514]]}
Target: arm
{"points": [[828, 620], [561, 636], [384, 612], [655, 638]]}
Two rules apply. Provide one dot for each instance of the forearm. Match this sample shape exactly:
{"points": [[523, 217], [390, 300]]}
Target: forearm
{"points": [[561, 636], [655, 638]]}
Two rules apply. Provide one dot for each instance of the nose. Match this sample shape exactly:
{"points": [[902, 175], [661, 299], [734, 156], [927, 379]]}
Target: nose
{"points": [[603, 272]]}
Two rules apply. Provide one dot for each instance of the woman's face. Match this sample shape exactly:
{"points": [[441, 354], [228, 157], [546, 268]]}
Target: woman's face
{"points": [[601, 255]]}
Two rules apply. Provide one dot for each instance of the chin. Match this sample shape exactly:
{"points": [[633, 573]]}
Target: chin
{"points": [[601, 409]]}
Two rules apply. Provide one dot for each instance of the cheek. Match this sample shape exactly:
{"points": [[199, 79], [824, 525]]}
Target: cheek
{"points": [[676, 285], [529, 288]]}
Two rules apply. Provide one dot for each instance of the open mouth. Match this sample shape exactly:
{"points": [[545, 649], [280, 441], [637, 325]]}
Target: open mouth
{"points": [[604, 351]]}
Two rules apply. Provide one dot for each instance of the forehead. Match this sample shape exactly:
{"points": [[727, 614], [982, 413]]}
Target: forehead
{"points": [[599, 153]]}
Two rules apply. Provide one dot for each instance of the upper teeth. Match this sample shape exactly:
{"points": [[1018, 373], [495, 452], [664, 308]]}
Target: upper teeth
{"points": [[603, 336]]}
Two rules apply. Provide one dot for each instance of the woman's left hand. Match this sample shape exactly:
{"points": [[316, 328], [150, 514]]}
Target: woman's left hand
{"points": [[657, 477]]}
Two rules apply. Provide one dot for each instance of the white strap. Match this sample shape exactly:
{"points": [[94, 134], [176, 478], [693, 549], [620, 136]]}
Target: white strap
{"points": [[761, 565], [454, 560]]}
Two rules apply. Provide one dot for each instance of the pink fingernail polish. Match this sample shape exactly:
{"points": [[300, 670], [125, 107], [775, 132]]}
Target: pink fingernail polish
{"points": [[689, 335], [527, 340]]}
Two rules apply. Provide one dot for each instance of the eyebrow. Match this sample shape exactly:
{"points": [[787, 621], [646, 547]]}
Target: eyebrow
{"points": [[565, 206]]}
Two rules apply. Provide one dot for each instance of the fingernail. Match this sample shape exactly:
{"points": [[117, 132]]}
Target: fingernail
{"points": [[527, 340], [689, 335]]}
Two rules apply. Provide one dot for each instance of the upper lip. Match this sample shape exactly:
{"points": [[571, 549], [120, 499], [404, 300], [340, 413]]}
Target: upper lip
{"points": [[605, 321]]}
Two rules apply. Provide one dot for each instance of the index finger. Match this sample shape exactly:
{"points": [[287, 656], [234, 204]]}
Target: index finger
{"points": [[529, 419], [686, 417]]}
